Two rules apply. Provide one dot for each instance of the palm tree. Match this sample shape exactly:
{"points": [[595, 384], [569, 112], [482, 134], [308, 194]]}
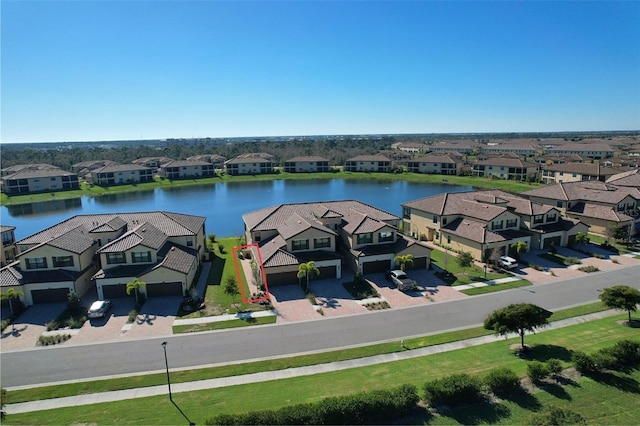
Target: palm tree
{"points": [[582, 239], [519, 246], [10, 295], [307, 270], [404, 259], [134, 286]]}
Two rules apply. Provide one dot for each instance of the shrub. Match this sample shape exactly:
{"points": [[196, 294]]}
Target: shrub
{"points": [[627, 352], [453, 390], [4, 323], [537, 371], [552, 416], [604, 359], [555, 366], [52, 325], [53, 340], [501, 379], [571, 261], [583, 362], [589, 268]]}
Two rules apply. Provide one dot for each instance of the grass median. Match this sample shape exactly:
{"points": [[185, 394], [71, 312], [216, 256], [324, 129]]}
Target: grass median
{"points": [[598, 402], [58, 391]]}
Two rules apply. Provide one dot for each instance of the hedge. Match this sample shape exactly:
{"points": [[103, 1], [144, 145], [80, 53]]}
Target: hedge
{"points": [[453, 390]]}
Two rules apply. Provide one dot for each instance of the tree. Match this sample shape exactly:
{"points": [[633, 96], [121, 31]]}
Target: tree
{"points": [[517, 318], [610, 232], [465, 259], [402, 260], [519, 246], [621, 297], [10, 295], [582, 239], [307, 270], [135, 286], [231, 288]]}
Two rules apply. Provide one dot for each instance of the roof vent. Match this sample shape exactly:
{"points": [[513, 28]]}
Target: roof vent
{"points": [[173, 248]]}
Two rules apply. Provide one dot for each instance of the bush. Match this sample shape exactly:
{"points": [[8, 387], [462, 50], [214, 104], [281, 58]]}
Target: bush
{"points": [[453, 390], [553, 416], [363, 408], [583, 362], [627, 352], [571, 261], [555, 366], [537, 371], [4, 323], [589, 268], [53, 340], [501, 379]]}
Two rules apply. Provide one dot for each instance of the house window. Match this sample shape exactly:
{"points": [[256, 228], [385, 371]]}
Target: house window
{"points": [[448, 239], [36, 262], [559, 204], [140, 257], [538, 219], [444, 221], [435, 219], [406, 213], [365, 238], [512, 223], [62, 261], [498, 224], [256, 237], [115, 258], [551, 217], [384, 237], [322, 242], [189, 241], [299, 245]]}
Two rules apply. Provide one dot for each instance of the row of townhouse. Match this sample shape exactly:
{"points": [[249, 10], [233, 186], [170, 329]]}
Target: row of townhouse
{"points": [[107, 251]]}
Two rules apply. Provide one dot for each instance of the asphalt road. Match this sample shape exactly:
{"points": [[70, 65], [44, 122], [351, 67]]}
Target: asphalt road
{"points": [[52, 364]]}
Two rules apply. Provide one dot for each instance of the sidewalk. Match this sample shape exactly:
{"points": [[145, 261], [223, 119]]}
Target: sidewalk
{"points": [[50, 404]]}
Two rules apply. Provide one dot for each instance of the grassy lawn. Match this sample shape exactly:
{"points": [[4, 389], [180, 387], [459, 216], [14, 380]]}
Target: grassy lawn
{"points": [[449, 262], [622, 248], [92, 190], [221, 325], [496, 287], [271, 365], [614, 400]]}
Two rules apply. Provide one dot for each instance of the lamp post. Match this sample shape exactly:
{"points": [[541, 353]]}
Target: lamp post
{"points": [[166, 364]]}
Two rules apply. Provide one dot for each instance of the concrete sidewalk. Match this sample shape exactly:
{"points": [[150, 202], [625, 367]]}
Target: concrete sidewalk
{"points": [[50, 404]]}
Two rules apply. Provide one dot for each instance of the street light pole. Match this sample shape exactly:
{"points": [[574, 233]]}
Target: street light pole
{"points": [[166, 364]]}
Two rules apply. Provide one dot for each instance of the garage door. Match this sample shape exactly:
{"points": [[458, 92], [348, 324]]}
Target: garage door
{"points": [[554, 240], [418, 263], [327, 272], [50, 295], [114, 291], [282, 278], [164, 289], [374, 267]]}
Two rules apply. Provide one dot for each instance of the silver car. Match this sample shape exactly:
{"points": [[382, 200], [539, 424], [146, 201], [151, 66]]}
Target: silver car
{"points": [[99, 308]]}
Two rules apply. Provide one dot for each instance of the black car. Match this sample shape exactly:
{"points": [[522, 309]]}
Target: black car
{"points": [[192, 303]]}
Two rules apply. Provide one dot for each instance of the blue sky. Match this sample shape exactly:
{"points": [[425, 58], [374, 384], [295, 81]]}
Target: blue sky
{"points": [[92, 70]]}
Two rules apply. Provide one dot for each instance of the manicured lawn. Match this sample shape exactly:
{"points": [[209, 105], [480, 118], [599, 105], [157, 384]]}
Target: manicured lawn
{"points": [[221, 325], [271, 365], [610, 401], [449, 262], [496, 287]]}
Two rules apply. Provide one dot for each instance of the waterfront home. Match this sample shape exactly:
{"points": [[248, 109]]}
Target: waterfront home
{"points": [[600, 205], [575, 172], [445, 163], [187, 169], [152, 162], [163, 249], [120, 174], [255, 163], [85, 167], [309, 164], [368, 163], [43, 180], [9, 250], [215, 159], [328, 233], [505, 168], [486, 222], [591, 150]]}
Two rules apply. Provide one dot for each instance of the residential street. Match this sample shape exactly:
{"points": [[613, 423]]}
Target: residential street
{"points": [[54, 364]]}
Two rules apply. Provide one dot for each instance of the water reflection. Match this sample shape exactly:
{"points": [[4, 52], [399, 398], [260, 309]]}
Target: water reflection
{"points": [[122, 197], [44, 208]]}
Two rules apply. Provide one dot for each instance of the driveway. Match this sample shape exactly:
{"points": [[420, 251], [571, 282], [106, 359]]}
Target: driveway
{"points": [[29, 326]]}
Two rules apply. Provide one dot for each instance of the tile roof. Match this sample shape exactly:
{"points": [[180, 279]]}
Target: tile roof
{"points": [[177, 257], [472, 230], [506, 162], [76, 241], [582, 147], [120, 168], [32, 174], [12, 275], [594, 169], [584, 190], [145, 234], [5, 228], [628, 178], [599, 211], [369, 158], [307, 158], [186, 163], [439, 157]]}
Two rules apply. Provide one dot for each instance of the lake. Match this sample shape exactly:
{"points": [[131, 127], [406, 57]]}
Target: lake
{"points": [[222, 203]]}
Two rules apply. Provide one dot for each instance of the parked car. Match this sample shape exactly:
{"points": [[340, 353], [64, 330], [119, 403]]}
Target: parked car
{"points": [[507, 262], [192, 303], [401, 280], [99, 309]]}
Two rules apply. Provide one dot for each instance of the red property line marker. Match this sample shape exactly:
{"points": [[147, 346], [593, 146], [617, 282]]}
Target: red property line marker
{"points": [[236, 263]]}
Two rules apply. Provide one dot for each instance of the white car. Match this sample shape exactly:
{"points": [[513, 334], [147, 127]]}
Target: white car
{"points": [[99, 308], [508, 262]]}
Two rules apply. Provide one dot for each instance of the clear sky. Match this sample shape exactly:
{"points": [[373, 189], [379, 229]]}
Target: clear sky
{"points": [[108, 70]]}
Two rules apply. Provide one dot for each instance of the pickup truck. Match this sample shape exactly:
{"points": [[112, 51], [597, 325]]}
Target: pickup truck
{"points": [[401, 280]]}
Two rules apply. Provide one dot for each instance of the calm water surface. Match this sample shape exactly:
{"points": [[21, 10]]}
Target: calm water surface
{"points": [[223, 203]]}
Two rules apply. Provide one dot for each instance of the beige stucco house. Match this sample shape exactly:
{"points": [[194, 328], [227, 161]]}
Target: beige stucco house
{"points": [[250, 164], [120, 174], [368, 163], [444, 163], [309, 164], [187, 169]]}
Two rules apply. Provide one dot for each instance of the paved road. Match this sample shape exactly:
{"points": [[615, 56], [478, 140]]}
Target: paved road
{"points": [[84, 361]]}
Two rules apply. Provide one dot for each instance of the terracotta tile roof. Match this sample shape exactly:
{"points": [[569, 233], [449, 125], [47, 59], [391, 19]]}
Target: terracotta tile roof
{"points": [[506, 162], [628, 178], [176, 257], [76, 241], [584, 190], [369, 158], [472, 230], [273, 253], [12, 275]]}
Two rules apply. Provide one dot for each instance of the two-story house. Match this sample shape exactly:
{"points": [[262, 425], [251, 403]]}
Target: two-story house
{"points": [[575, 172], [505, 168], [44, 180], [215, 159], [154, 163], [85, 167], [8, 252], [591, 150], [120, 174], [329, 233], [309, 164], [368, 163], [187, 169], [162, 249], [445, 163], [256, 163], [480, 222]]}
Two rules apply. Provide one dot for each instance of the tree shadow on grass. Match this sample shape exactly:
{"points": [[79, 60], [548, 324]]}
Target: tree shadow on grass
{"points": [[522, 398], [217, 267], [556, 390], [482, 413], [544, 353], [623, 383]]}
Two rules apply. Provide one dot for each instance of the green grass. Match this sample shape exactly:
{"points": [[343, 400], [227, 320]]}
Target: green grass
{"points": [[221, 325], [270, 365], [496, 287], [449, 262], [92, 190], [598, 402]]}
